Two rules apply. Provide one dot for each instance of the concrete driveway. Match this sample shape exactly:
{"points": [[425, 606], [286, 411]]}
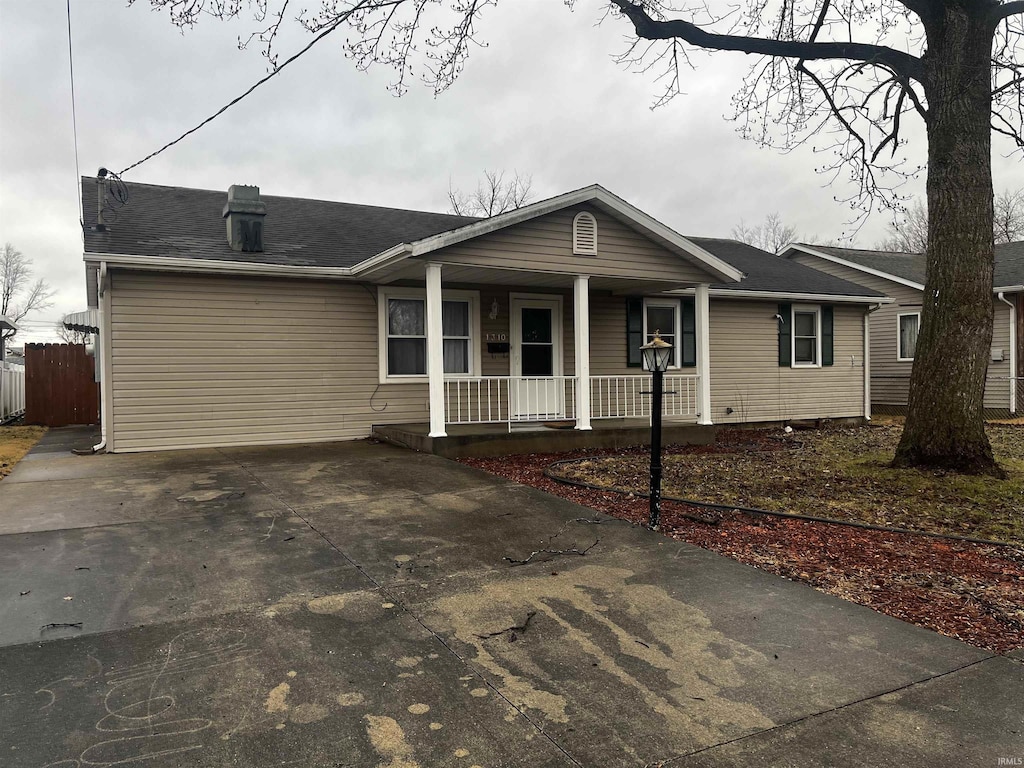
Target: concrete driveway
{"points": [[354, 605]]}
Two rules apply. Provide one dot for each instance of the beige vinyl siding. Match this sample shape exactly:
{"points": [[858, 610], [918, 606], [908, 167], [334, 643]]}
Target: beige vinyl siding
{"points": [[544, 244], [500, 364], [202, 361], [997, 388], [216, 361], [608, 337], [746, 375], [745, 371], [890, 378]]}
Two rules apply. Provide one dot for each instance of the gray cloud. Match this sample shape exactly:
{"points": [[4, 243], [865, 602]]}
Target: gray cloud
{"points": [[544, 97]]}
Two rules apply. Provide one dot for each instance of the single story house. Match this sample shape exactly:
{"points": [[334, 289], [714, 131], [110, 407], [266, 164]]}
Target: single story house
{"points": [[238, 319], [894, 326]]}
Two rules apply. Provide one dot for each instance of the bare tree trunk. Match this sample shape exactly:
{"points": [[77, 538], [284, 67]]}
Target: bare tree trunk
{"points": [[945, 425]]}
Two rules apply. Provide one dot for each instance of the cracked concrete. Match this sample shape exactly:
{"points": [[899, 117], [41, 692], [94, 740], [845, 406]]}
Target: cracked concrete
{"points": [[350, 604]]}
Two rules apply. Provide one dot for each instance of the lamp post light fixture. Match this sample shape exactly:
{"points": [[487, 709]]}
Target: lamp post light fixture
{"points": [[657, 355]]}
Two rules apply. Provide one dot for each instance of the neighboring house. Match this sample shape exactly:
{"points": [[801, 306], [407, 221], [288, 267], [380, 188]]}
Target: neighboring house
{"points": [[894, 326], [235, 319]]}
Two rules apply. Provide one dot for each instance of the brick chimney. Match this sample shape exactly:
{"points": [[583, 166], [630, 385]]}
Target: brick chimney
{"points": [[244, 212]]}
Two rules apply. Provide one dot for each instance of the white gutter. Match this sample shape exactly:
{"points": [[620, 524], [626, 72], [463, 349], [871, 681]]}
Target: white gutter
{"points": [[827, 298], [1013, 350], [104, 333], [172, 264], [1008, 289]]}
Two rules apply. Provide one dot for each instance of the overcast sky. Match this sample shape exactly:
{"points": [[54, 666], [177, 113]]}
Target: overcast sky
{"points": [[545, 98]]}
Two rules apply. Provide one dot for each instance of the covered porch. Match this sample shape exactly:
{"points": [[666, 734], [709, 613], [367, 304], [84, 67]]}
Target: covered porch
{"points": [[507, 351]]}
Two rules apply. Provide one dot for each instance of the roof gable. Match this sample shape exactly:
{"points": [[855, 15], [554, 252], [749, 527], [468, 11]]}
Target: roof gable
{"points": [[910, 268], [601, 199], [545, 244], [903, 268]]}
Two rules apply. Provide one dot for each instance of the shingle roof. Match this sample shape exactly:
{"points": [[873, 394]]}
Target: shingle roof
{"points": [[767, 272], [186, 223], [1010, 264], [1009, 258]]}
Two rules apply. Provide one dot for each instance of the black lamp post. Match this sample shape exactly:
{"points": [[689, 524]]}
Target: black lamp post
{"points": [[657, 354]]}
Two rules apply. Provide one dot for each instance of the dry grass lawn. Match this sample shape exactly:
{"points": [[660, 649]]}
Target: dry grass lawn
{"points": [[15, 442], [841, 474]]}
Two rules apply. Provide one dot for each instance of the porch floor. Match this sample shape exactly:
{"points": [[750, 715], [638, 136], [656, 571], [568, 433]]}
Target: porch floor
{"points": [[483, 440]]}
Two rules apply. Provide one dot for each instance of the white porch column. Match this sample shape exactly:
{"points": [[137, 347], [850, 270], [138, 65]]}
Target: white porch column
{"points": [[703, 318], [581, 324], [435, 350]]}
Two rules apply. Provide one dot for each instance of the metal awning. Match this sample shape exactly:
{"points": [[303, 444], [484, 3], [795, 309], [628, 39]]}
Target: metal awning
{"points": [[6, 324], [85, 322]]}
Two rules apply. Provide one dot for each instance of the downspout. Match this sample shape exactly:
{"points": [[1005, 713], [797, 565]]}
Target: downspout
{"points": [[102, 355], [867, 360], [1013, 350]]}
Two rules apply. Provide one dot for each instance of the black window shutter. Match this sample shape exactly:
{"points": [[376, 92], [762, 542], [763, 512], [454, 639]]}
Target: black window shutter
{"points": [[689, 340], [785, 334], [827, 335], [634, 332]]}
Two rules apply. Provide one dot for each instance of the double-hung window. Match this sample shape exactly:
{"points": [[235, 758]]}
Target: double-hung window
{"points": [[908, 325], [455, 327], [806, 336], [403, 318], [662, 317]]}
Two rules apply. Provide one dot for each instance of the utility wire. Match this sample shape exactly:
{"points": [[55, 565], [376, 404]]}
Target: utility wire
{"points": [[323, 33], [74, 119]]}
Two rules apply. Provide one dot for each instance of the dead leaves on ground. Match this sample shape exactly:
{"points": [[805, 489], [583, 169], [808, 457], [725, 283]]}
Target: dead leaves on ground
{"points": [[969, 591]]}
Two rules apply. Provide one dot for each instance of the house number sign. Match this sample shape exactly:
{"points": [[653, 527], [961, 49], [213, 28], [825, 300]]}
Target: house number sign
{"points": [[497, 344]]}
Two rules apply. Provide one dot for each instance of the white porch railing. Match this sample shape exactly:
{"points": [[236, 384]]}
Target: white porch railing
{"points": [[12, 391], [517, 399], [509, 399], [628, 397]]}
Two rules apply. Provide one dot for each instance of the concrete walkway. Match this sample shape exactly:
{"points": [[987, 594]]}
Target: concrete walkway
{"points": [[353, 605]]}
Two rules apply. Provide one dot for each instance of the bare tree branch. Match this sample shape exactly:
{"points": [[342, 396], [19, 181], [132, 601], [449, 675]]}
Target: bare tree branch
{"points": [[653, 29], [771, 235], [493, 195], [19, 295], [69, 336]]}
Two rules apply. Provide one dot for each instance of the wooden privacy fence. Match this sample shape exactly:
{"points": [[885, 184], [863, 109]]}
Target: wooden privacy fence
{"points": [[60, 385]]}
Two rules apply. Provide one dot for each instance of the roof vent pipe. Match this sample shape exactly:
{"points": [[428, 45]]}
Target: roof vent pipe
{"points": [[243, 213]]}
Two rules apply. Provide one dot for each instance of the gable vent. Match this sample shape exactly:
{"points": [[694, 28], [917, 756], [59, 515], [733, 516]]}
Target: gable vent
{"points": [[584, 234]]}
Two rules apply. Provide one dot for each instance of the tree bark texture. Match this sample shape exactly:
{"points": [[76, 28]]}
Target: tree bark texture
{"points": [[945, 424]]}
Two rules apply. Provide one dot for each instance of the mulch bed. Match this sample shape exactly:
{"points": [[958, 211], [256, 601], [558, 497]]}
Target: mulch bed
{"points": [[968, 591]]}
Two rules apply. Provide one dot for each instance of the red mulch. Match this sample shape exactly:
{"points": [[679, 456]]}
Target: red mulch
{"points": [[968, 591]]}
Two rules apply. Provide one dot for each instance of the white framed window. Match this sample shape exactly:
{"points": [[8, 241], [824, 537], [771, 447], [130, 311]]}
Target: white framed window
{"points": [[806, 324], [584, 234], [908, 324], [402, 326], [662, 317]]}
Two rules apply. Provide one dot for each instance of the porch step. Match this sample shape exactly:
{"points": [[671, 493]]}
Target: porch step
{"points": [[480, 441]]}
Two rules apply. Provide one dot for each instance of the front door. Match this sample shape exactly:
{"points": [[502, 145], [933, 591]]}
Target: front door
{"points": [[536, 390]]}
